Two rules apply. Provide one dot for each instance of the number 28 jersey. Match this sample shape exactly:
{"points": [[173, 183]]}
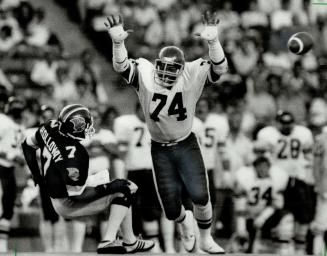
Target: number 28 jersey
{"points": [[169, 112], [64, 161], [293, 152]]}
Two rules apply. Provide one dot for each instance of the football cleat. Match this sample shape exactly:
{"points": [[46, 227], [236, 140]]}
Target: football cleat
{"points": [[210, 246], [111, 247], [140, 245], [187, 232]]}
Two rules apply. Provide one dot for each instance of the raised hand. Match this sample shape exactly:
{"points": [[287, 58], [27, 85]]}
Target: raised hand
{"points": [[115, 28], [210, 22]]}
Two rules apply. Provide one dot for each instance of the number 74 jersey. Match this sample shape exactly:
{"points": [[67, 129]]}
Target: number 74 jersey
{"points": [[169, 112], [293, 152]]}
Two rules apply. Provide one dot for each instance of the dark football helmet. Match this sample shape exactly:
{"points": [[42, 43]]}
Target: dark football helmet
{"points": [[14, 107], [285, 122], [169, 66], [75, 121]]}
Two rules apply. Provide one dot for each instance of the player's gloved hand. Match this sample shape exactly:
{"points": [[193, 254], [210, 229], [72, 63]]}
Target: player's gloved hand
{"points": [[123, 186], [115, 28], [210, 22]]}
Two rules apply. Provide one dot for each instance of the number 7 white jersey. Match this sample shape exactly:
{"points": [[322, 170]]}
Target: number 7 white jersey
{"points": [[134, 138], [169, 112], [293, 153]]}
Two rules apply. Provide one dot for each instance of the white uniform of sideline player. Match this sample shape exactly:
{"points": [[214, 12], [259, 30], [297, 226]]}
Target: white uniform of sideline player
{"points": [[292, 146], [134, 145], [168, 92]]}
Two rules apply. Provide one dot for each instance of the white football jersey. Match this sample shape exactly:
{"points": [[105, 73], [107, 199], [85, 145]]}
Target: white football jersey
{"points": [[215, 131], [11, 137], [169, 113], [260, 192], [289, 150], [134, 134], [99, 159], [198, 130]]}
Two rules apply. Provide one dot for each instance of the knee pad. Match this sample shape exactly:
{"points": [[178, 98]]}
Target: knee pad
{"points": [[285, 229], [122, 200]]}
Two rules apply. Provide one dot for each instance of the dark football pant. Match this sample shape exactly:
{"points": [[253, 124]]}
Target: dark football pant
{"points": [[8, 184], [177, 166]]}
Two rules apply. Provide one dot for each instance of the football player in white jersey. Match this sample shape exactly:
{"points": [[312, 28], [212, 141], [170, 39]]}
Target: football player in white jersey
{"points": [[11, 135], [259, 203], [134, 144], [292, 146], [215, 132], [168, 91]]}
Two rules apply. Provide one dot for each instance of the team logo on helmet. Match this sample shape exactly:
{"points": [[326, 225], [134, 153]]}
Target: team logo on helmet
{"points": [[73, 173], [79, 124]]}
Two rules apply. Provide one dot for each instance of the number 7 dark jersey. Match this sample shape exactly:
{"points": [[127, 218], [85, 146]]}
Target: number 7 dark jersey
{"points": [[64, 161], [169, 112]]}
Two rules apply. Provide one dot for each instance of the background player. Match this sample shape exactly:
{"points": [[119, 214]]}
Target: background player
{"points": [[292, 145], [74, 193], [134, 144], [215, 131], [11, 135], [168, 92], [259, 203]]}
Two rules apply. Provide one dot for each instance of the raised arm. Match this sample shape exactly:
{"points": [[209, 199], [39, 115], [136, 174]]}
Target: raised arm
{"points": [[218, 61], [120, 61]]}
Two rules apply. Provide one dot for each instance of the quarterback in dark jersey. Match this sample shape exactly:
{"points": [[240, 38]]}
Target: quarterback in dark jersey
{"points": [[168, 91], [74, 193]]}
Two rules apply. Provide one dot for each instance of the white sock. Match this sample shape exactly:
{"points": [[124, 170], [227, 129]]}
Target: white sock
{"points": [[76, 233], [116, 216], [46, 233], [127, 228], [167, 232]]}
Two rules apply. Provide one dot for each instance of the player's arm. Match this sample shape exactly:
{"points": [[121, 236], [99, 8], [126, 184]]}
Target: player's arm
{"points": [[218, 61], [120, 61], [29, 147]]}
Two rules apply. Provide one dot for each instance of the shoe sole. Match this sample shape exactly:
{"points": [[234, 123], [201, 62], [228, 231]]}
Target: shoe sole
{"points": [[140, 250], [112, 250]]}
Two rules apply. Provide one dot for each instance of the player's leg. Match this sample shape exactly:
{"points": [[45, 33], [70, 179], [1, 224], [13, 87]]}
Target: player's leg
{"points": [[167, 228], [150, 208], [130, 242], [301, 202], [279, 229], [75, 235], [194, 176], [8, 184], [319, 226]]}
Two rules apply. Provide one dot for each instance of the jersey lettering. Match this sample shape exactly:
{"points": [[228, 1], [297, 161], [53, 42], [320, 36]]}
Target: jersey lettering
{"points": [[254, 196], [209, 133]]}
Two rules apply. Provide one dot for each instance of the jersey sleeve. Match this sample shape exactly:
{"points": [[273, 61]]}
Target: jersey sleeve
{"points": [[130, 75]]}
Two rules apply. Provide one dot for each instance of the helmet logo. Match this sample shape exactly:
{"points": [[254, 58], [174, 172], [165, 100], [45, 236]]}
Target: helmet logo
{"points": [[79, 124], [73, 173]]}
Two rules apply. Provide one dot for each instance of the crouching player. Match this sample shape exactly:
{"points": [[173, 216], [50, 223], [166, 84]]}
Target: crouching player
{"points": [[259, 205], [74, 193]]}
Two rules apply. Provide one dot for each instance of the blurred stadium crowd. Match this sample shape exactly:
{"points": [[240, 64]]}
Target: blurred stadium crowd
{"points": [[263, 76]]}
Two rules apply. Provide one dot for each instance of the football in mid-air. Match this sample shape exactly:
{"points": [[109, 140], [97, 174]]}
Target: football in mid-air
{"points": [[300, 43]]}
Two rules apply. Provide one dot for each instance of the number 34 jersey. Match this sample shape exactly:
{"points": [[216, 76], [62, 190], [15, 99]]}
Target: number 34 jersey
{"points": [[169, 112], [293, 153], [133, 138], [260, 192], [64, 161]]}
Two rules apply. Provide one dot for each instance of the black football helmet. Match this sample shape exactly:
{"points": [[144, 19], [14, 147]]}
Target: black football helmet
{"points": [[75, 121], [169, 66], [285, 121], [14, 107]]}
